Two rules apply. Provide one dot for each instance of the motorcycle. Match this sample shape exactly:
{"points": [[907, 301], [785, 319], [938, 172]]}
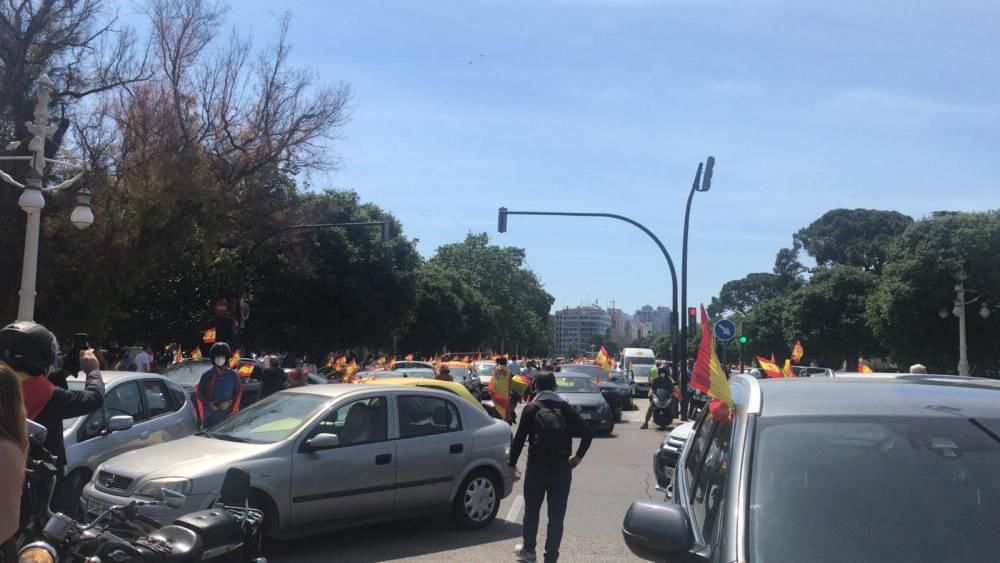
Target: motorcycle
{"points": [[228, 532], [663, 405]]}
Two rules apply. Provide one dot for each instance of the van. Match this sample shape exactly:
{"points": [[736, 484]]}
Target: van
{"points": [[637, 363]]}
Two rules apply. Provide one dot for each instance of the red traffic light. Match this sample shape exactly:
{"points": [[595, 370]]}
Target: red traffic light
{"points": [[692, 312]]}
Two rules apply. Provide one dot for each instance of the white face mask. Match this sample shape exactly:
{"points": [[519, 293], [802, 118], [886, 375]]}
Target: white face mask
{"points": [[220, 361]]}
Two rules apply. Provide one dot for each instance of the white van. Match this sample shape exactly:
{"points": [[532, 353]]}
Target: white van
{"points": [[637, 362]]}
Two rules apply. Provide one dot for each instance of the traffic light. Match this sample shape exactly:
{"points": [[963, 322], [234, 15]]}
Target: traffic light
{"points": [[502, 220], [693, 312], [744, 340]]}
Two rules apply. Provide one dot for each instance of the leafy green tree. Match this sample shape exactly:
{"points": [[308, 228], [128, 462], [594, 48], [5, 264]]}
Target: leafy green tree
{"points": [[853, 237], [919, 282]]}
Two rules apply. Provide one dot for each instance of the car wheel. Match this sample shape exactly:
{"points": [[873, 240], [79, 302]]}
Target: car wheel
{"points": [[609, 431], [477, 501], [262, 502]]}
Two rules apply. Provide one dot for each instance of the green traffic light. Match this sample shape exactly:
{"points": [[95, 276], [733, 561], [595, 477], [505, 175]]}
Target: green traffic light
{"points": [[743, 340]]}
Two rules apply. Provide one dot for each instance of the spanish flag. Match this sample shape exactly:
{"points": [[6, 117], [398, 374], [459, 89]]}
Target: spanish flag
{"points": [[770, 367], [604, 360], [708, 376], [246, 370], [235, 360], [797, 351], [863, 368], [787, 368], [208, 337], [178, 355], [196, 353], [500, 391], [349, 371]]}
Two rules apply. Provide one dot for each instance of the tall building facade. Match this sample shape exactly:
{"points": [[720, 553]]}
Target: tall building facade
{"points": [[658, 319], [576, 329]]}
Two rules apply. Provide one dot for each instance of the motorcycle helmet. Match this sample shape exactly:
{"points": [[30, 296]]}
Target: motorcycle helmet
{"points": [[218, 350], [28, 347]]}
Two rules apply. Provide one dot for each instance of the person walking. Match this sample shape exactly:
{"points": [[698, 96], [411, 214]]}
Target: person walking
{"points": [[144, 360], [548, 424], [299, 376], [444, 374]]}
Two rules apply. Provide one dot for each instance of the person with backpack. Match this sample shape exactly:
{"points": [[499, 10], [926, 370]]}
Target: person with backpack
{"points": [[548, 424]]}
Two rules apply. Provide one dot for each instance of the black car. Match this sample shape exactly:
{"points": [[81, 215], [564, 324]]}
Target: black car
{"points": [[583, 395], [863, 469], [616, 391], [189, 371]]}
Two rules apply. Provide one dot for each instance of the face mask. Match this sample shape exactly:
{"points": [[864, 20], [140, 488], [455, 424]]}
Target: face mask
{"points": [[220, 361]]}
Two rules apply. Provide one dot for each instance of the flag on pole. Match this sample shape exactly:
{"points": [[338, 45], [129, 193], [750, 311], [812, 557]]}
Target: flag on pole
{"points": [[787, 368], [604, 360], [770, 367], [863, 368], [708, 376], [234, 362], [196, 353], [797, 351], [178, 354], [500, 391], [208, 337], [246, 370]]}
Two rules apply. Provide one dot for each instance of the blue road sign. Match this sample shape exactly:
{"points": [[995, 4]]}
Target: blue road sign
{"points": [[725, 330]]}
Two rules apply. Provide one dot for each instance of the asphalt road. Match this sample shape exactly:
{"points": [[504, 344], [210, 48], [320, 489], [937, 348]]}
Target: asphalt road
{"points": [[616, 471]]}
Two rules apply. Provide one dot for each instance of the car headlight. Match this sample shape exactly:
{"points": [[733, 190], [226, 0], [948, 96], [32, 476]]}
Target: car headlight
{"points": [[152, 488], [38, 552]]}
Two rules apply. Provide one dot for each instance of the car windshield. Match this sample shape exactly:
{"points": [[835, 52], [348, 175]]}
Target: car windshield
{"points": [[459, 373], [585, 369], [879, 489], [271, 420], [186, 374], [485, 370], [638, 360], [575, 385], [641, 371]]}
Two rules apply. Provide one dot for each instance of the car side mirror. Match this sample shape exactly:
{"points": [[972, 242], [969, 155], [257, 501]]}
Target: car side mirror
{"points": [[657, 530], [322, 442], [172, 498], [120, 422]]}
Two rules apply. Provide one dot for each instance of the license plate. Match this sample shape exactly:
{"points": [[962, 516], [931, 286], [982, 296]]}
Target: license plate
{"points": [[96, 505], [585, 415]]}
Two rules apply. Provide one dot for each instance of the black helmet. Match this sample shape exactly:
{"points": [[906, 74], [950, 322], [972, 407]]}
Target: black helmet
{"points": [[220, 349], [28, 347]]}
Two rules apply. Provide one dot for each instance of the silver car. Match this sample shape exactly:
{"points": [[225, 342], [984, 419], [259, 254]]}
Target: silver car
{"points": [[330, 456], [140, 409]]}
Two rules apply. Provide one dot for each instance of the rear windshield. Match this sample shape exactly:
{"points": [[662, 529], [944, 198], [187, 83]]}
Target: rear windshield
{"points": [[586, 369], [871, 490]]}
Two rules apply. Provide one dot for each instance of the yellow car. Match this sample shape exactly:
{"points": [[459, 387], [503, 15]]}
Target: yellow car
{"points": [[453, 388]]}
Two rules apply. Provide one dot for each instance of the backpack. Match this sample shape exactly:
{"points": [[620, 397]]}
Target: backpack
{"points": [[552, 441]]}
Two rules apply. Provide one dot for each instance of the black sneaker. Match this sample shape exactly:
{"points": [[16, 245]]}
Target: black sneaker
{"points": [[644, 426]]}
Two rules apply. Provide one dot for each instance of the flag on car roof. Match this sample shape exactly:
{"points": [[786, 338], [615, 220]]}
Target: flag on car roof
{"points": [[349, 371], [708, 376], [208, 337], [178, 355], [196, 353], [770, 367], [863, 368], [235, 360], [787, 368], [604, 360], [797, 351], [246, 370]]}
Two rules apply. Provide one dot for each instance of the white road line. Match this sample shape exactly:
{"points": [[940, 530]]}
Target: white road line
{"points": [[514, 513]]}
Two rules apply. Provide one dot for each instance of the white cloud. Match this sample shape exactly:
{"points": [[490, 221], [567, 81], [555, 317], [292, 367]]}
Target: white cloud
{"points": [[877, 102]]}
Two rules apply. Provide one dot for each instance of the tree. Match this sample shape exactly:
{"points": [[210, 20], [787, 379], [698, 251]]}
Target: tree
{"points": [[743, 295], [853, 237], [919, 281]]}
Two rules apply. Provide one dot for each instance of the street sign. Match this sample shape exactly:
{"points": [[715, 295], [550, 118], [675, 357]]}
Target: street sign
{"points": [[725, 330]]}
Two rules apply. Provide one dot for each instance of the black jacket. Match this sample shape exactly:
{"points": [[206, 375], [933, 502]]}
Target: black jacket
{"points": [[66, 403], [574, 422], [272, 380]]}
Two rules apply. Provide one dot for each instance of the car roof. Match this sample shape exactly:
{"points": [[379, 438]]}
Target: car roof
{"points": [[109, 376], [335, 390], [880, 395]]}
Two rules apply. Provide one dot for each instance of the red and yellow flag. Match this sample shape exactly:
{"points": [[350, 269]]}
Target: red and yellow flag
{"points": [[246, 370], [797, 351], [770, 367], [863, 368], [500, 391], [178, 355], [196, 353], [786, 370], [350, 371], [604, 360], [208, 337], [708, 376], [235, 360]]}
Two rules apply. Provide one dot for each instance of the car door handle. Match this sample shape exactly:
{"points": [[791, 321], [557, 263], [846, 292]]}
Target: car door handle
{"points": [[383, 459], [144, 435], [456, 448]]}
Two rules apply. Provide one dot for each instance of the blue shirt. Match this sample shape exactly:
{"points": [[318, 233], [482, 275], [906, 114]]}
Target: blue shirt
{"points": [[227, 383]]}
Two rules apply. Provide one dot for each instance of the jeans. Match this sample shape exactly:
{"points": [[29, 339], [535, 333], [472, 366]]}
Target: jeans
{"points": [[540, 480]]}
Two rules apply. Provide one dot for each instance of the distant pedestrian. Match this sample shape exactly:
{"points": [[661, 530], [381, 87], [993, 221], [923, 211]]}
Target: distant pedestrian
{"points": [[144, 360], [444, 374], [548, 424], [918, 368], [272, 378], [299, 376]]}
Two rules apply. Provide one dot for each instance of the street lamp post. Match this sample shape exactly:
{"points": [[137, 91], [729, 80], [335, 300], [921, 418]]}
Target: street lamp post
{"points": [[384, 225], [959, 311], [503, 212], [32, 200], [699, 185]]}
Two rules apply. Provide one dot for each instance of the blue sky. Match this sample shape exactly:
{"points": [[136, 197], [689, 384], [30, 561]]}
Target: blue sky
{"points": [[605, 105]]}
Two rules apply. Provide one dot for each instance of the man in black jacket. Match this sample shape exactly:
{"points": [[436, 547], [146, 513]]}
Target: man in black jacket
{"points": [[30, 349], [550, 423]]}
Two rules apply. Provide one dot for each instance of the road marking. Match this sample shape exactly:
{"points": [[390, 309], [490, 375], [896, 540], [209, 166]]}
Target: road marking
{"points": [[515, 510]]}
